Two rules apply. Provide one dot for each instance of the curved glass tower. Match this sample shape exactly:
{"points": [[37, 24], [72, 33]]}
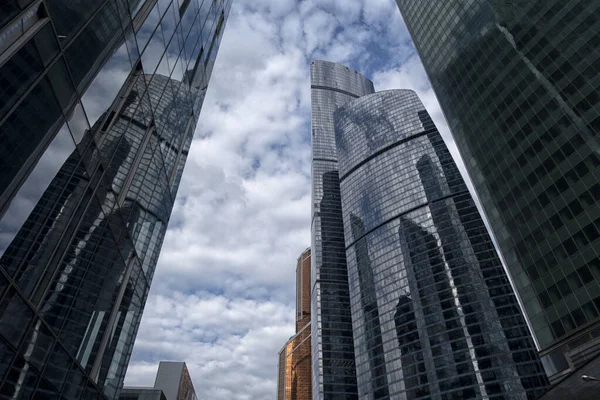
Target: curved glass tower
{"points": [[334, 377], [518, 83], [97, 141], [433, 311]]}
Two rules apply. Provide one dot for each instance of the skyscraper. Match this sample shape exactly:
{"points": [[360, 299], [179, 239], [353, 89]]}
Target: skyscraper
{"points": [[433, 311], [518, 83], [303, 290], [334, 376], [84, 215], [295, 376]]}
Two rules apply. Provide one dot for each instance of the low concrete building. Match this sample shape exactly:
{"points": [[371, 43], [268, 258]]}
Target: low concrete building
{"points": [[173, 382]]}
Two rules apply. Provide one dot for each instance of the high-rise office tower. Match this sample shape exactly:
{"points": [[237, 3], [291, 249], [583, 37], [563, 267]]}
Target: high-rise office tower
{"points": [[433, 311], [295, 376], [86, 198], [519, 84], [334, 376], [303, 290]]}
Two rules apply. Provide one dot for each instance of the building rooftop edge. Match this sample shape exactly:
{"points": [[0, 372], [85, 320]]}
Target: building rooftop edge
{"points": [[341, 65]]}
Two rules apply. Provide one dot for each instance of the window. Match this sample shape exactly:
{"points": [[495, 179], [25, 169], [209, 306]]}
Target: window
{"points": [[184, 5], [22, 25]]}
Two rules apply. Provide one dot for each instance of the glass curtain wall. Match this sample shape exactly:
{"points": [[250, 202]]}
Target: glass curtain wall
{"points": [[519, 83], [433, 312], [94, 136], [334, 376]]}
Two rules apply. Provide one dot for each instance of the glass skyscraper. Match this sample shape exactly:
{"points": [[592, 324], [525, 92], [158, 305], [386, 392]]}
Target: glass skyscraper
{"points": [[93, 143], [334, 372], [519, 83], [433, 312], [295, 367]]}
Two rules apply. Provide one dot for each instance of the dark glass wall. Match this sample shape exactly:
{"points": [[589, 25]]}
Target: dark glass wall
{"points": [[50, 51], [81, 231], [433, 311], [334, 377], [519, 85]]}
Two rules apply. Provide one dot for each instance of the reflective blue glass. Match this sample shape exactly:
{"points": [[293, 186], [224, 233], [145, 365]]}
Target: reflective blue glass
{"points": [[334, 374], [93, 146], [433, 312]]}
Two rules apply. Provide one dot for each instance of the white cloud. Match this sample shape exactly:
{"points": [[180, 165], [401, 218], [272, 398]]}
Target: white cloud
{"points": [[223, 295]]}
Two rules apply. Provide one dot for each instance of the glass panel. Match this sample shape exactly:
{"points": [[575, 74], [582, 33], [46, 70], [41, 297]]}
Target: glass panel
{"points": [[23, 138], [121, 341], [34, 253], [78, 123], [6, 358], [62, 85], [31, 192], [169, 23], [135, 5], [163, 5], [9, 9], [23, 68], [22, 381], [15, 316], [69, 16], [148, 28], [37, 344], [92, 43], [132, 46], [45, 390], [75, 384], [153, 53], [106, 85], [79, 273], [60, 362]]}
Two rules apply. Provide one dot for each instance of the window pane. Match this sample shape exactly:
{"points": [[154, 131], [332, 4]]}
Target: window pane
{"points": [[31, 191], [23, 138]]}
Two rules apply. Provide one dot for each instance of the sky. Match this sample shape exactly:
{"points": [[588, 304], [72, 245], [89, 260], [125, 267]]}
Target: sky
{"points": [[222, 299]]}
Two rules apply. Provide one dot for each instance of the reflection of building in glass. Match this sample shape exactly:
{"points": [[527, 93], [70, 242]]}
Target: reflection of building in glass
{"points": [[334, 372], [81, 237], [370, 311], [433, 312], [294, 376], [35, 72], [518, 83], [173, 382], [294, 379]]}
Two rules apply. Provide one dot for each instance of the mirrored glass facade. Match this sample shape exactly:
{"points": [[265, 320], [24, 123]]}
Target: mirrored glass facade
{"points": [[92, 147], [295, 367], [294, 379], [334, 376], [433, 312], [303, 290], [519, 83]]}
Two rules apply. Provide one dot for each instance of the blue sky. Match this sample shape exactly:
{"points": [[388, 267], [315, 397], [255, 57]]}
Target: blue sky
{"points": [[223, 295]]}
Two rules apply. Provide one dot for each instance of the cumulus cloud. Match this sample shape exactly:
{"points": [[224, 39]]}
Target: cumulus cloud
{"points": [[223, 294]]}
